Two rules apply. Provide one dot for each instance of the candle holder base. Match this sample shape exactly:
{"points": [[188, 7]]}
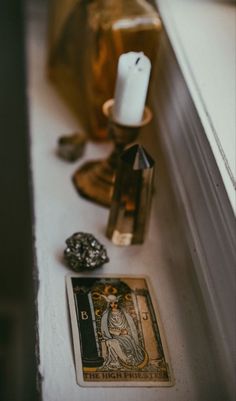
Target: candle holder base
{"points": [[95, 179]]}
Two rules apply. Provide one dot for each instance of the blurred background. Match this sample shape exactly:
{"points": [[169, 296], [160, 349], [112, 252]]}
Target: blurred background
{"points": [[17, 309]]}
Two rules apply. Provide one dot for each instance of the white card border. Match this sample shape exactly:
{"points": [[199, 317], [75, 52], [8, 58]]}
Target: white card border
{"points": [[76, 339]]}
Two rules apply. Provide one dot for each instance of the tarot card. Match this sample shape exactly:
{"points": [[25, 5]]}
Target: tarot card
{"points": [[117, 335]]}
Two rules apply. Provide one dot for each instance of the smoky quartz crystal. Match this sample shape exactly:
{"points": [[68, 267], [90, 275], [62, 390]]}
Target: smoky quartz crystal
{"points": [[132, 196]]}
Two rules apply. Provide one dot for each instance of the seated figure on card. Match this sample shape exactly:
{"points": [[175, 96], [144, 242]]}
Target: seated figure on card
{"points": [[121, 338]]}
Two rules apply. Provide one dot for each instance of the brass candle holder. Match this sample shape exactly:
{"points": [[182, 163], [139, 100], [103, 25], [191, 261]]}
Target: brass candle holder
{"points": [[95, 179]]}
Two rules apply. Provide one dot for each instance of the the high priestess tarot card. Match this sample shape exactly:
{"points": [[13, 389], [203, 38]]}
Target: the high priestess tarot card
{"points": [[118, 340]]}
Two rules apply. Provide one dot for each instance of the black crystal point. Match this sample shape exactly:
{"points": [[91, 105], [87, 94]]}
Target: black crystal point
{"points": [[84, 252], [137, 158]]}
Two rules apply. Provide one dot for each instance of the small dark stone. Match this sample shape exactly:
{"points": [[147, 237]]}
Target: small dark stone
{"points": [[71, 147], [84, 252]]}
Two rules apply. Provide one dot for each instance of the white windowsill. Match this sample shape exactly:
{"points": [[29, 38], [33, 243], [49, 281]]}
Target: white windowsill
{"points": [[202, 33]]}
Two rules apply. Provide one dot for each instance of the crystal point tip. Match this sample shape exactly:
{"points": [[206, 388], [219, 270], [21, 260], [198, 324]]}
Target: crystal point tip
{"points": [[137, 157]]}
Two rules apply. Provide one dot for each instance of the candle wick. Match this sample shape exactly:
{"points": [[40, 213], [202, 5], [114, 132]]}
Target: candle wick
{"points": [[136, 62]]}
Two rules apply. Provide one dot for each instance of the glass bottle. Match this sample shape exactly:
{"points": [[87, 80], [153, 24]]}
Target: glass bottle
{"points": [[86, 39]]}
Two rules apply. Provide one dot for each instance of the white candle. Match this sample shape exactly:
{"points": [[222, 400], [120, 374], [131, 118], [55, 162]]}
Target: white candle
{"points": [[131, 88]]}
